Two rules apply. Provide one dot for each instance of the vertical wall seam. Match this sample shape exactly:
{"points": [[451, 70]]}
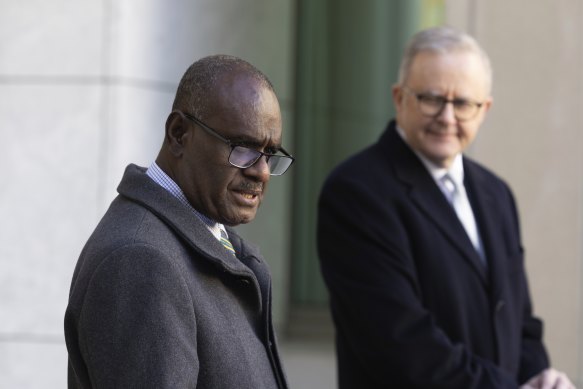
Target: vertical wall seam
{"points": [[579, 379], [104, 106]]}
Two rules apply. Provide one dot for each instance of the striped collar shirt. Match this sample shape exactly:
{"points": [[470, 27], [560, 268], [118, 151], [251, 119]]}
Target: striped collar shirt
{"points": [[162, 179]]}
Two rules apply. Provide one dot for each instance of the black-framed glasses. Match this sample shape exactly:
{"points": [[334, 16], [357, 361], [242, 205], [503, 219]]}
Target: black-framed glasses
{"points": [[244, 157], [432, 105]]}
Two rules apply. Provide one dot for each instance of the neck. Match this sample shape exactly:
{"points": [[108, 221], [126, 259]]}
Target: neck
{"points": [[166, 166]]}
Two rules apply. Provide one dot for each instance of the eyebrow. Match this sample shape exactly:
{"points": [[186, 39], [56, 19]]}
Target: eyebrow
{"points": [[456, 98], [247, 141]]}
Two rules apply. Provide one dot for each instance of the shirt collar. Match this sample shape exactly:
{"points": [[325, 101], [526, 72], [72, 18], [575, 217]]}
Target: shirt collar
{"points": [[455, 171], [161, 178]]}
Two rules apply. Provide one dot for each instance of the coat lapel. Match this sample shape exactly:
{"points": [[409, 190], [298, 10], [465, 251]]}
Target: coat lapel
{"points": [[427, 196], [484, 205], [138, 187]]}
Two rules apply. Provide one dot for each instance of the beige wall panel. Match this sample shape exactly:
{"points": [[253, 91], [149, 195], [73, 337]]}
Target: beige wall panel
{"points": [[533, 137]]}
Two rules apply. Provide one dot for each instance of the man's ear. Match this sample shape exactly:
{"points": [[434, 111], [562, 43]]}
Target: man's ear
{"points": [[176, 131], [488, 103], [397, 93]]}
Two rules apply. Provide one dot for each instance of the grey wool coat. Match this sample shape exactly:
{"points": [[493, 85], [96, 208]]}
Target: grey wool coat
{"points": [[157, 302]]}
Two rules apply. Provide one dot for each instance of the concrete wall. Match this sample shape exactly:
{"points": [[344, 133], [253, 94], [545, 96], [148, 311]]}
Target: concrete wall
{"points": [[85, 88], [533, 137]]}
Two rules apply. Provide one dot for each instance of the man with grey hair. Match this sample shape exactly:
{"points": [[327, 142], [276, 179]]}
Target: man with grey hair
{"points": [[420, 246], [165, 294]]}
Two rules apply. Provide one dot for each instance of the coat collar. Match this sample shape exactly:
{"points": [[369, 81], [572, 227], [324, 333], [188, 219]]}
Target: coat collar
{"points": [[427, 196], [138, 187]]}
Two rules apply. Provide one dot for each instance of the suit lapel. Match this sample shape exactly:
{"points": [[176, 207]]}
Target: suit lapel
{"points": [[484, 205], [427, 196]]}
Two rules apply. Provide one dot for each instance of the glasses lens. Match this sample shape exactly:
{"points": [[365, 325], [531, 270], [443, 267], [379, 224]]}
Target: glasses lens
{"points": [[434, 105], [278, 164], [243, 157], [465, 110], [430, 105]]}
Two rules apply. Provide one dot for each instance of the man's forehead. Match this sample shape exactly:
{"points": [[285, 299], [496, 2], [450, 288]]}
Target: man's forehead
{"points": [[245, 109], [461, 70], [240, 91], [431, 58], [272, 138], [251, 127]]}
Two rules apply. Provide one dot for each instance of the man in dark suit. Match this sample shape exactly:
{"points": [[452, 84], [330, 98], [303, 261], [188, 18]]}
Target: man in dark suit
{"points": [[420, 245], [164, 295]]}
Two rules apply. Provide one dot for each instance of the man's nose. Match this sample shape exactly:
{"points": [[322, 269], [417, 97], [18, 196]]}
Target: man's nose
{"points": [[259, 170], [447, 114]]}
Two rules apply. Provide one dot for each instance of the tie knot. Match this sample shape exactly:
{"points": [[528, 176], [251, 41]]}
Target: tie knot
{"points": [[449, 183]]}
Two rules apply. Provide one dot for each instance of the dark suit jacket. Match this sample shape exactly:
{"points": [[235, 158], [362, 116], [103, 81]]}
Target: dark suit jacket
{"points": [[412, 304], [157, 302]]}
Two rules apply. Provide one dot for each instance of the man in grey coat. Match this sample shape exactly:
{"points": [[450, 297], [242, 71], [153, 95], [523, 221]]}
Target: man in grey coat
{"points": [[164, 295]]}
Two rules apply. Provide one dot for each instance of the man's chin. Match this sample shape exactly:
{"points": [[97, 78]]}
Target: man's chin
{"points": [[441, 151], [242, 218], [441, 159]]}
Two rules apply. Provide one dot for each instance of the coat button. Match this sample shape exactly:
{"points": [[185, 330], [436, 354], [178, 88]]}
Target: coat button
{"points": [[245, 281], [499, 305]]}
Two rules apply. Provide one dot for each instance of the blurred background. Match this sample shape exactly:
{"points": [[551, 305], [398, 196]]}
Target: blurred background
{"points": [[86, 85]]}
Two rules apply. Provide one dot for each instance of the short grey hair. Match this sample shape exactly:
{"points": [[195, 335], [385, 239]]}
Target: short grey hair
{"points": [[441, 40], [200, 82]]}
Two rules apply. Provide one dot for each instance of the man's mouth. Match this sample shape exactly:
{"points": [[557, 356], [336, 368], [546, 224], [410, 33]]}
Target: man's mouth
{"points": [[440, 131], [249, 196], [250, 189]]}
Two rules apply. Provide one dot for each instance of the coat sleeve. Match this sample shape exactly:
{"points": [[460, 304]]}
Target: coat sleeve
{"points": [[381, 323], [533, 355], [137, 326]]}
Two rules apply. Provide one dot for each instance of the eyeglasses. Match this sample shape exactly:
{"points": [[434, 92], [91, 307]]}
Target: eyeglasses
{"points": [[244, 157], [432, 105]]}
